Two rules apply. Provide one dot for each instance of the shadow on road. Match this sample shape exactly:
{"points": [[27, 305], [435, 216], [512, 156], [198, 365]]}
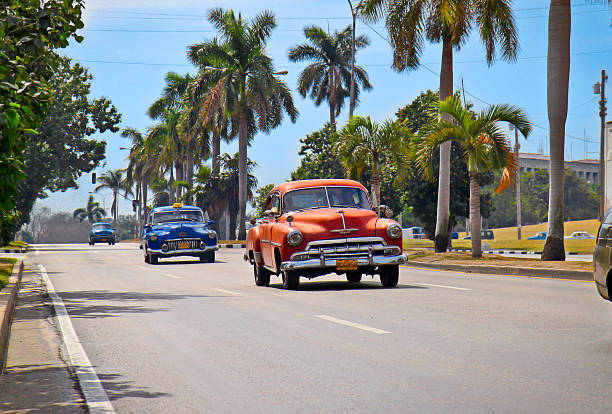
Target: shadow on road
{"points": [[341, 285], [116, 388], [181, 262]]}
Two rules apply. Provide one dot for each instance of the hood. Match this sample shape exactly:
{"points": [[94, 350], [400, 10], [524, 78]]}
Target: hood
{"points": [[180, 229], [328, 223]]}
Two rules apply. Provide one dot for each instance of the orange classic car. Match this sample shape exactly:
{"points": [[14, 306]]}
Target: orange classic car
{"points": [[315, 227]]}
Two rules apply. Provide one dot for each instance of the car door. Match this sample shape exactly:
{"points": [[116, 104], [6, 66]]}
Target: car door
{"points": [[603, 249], [267, 249]]}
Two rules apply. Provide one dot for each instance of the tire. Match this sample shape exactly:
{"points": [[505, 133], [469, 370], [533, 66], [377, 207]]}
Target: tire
{"points": [[153, 259], [291, 280], [208, 257], [389, 275], [93, 243], [353, 276], [110, 243], [262, 275], [147, 259]]}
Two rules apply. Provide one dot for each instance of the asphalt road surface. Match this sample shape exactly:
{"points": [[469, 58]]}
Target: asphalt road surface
{"points": [[190, 337]]}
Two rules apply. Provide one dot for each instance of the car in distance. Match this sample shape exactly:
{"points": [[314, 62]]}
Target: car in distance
{"points": [[102, 233], [541, 235], [484, 235], [178, 230], [579, 235], [602, 265], [315, 227]]}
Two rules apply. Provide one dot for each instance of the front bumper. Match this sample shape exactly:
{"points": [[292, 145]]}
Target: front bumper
{"points": [[330, 263], [182, 252], [102, 239]]}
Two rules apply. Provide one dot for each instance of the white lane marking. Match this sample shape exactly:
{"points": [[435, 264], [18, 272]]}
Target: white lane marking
{"points": [[93, 391], [229, 292], [353, 324], [143, 267], [172, 276], [442, 286]]}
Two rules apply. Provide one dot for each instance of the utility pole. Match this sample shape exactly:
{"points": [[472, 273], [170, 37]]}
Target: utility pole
{"points": [[517, 180], [354, 11], [600, 88]]}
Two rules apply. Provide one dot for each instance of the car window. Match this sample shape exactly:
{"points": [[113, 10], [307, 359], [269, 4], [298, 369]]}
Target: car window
{"points": [[275, 203], [178, 215], [348, 197], [101, 226], [320, 197]]}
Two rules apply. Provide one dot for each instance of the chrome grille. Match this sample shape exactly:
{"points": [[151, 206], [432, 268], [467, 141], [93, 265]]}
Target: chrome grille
{"points": [[352, 246], [173, 244]]}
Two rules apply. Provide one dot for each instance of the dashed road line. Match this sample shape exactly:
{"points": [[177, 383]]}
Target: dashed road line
{"points": [[442, 286], [353, 324], [143, 267], [172, 276], [229, 292], [93, 391]]}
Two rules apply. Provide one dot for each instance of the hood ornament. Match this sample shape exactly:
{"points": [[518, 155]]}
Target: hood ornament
{"points": [[344, 230]]}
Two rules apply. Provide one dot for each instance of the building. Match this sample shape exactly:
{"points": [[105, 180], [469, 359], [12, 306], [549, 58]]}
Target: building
{"points": [[608, 167], [585, 169]]}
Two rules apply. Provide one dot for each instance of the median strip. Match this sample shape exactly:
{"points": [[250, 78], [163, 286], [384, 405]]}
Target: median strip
{"points": [[353, 324]]}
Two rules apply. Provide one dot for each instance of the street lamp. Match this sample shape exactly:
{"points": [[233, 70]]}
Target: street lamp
{"points": [[517, 179], [600, 89]]}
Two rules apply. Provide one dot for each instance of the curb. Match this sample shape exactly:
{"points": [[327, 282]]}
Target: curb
{"points": [[505, 270], [13, 250], [233, 246], [7, 306], [517, 252]]}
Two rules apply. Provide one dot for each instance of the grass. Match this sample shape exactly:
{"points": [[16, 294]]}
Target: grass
{"points": [[6, 269], [506, 238]]}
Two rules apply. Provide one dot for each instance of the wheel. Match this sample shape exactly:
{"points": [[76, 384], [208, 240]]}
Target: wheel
{"points": [[353, 277], [262, 275], [153, 259], [109, 243], [147, 259], [389, 275], [291, 280], [208, 257]]}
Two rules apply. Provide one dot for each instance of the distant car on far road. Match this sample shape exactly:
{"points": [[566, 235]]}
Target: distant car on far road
{"points": [[541, 235], [102, 233], [579, 235], [484, 235], [602, 266]]}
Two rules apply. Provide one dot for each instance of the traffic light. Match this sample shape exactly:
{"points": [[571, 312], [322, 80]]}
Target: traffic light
{"points": [[135, 205], [93, 177]]}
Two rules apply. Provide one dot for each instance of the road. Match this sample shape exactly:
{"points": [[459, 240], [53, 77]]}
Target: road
{"points": [[190, 337]]}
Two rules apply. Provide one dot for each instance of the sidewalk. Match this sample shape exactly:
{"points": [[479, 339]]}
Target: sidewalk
{"points": [[36, 379]]}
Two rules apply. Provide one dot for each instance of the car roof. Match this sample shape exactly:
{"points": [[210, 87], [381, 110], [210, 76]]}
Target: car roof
{"points": [[170, 208], [294, 185], [101, 222]]}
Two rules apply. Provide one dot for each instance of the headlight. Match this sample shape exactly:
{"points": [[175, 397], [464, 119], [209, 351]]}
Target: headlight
{"points": [[212, 234], [394, 231], [153, 237], [295, 238]]}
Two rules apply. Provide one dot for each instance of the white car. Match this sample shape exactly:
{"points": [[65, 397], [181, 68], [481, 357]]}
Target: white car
{"points": [[579, 235]]}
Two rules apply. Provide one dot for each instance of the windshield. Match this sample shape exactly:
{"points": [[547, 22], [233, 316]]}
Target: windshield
{"points": [[101, 226], [177, 215], [322, 197]]}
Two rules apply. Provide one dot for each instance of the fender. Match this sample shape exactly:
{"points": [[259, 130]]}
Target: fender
{"points": [[381, 231], [253, 244]]}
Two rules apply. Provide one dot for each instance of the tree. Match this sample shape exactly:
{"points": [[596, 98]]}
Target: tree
{"points": [[363, 143], [62, 150], [29, 32], [329, 77], [258, 202], [409, 22], [485, 147], [246, 85], [92, 212], [318, 159], [113, 180]]}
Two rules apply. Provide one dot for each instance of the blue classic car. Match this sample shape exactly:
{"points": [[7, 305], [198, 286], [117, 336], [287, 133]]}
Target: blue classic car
{"points": [[178, 230], [101, 233]]}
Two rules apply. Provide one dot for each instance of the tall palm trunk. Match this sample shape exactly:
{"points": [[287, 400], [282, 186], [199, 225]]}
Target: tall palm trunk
{"points": [[375, 183], [115, 210], [216, 150], [189, 174], [475, 214], [332, 95], [446, 90], [559, 29], [171, 193], [242, 175], [179, 167]]}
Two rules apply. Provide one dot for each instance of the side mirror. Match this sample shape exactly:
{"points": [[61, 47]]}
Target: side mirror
{"points": [[211, 222], [272, 212], [382, 209], [253, 221]]}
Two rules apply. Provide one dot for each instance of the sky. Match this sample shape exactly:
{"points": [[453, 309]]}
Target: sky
{"points": [[130, 45]]}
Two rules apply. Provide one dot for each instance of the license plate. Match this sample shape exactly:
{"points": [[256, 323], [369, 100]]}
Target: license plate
{"points": [[346, 264], [183, 245], [103, 240]]}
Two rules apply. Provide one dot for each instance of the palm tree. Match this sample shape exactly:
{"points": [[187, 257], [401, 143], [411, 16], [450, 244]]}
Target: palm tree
{"points": [[485, 147], [362, 143], [245, 84], [559, 28], [329, 77], [114, 181], [410, 22], [93, 212]]}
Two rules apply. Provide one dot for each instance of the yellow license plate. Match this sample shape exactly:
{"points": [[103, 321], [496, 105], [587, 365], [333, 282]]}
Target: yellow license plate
{"points": [[183, 245], [346, 264]]}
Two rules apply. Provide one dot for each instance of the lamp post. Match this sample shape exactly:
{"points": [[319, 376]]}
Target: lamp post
{"points": [[600, 89], [517, 180]]}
